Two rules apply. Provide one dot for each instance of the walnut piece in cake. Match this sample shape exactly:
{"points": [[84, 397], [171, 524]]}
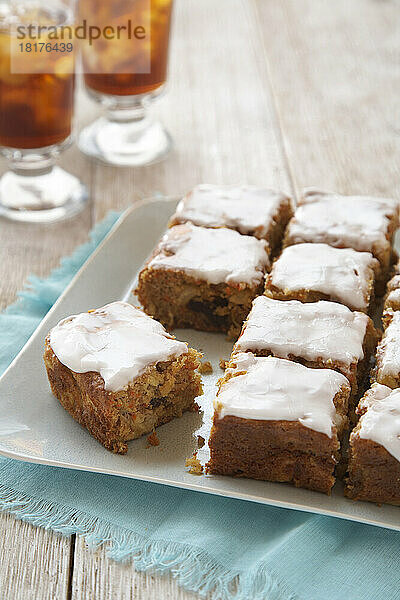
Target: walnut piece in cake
{"points": [[203, 278], [278, 420], [312, 272], [119, 373], [251, 210], [205, 368], [364, 223], [374, 455], [318, 335]]}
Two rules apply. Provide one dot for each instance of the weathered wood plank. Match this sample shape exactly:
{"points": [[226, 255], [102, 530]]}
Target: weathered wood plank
{"points": [[34, 563], [97, 577], [335, 70]]}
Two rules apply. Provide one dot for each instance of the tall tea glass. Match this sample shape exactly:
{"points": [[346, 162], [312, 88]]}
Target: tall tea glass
{"points": [[125, 68], [36, 105]]}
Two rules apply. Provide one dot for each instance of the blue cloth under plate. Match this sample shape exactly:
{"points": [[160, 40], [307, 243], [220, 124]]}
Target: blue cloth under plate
{"points": [[229, 548]]}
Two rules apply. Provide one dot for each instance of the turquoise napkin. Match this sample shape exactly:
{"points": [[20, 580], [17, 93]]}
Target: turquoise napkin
{"points": [[228, 548]]}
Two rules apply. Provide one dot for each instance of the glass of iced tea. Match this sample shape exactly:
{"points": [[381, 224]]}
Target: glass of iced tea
{"points": [[124, 57], [36, 106]]}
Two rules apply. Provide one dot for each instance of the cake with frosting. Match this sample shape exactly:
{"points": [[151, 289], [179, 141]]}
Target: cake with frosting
{"points": [[311, 272], [278, 420], [309, 334], [203, 278], [364, 223], [374, 455], [392, 297], [119, 373], [249, 209], [387, 369]]}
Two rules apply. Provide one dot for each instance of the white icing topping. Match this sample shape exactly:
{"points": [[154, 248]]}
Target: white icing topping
{"points": [[214, 255], [274, 389], [393, 288], [393, 299], [381, 421], [342, 274], [247, 208], [388, 352], [118, 341], [394, 283], [377, 391], [359, 222], [317, 330]]}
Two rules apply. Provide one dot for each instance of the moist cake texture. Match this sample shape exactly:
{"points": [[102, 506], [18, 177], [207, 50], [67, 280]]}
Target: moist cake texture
{"points": [[363, 223], [319, 335], [251, 210], [312, 272], [387, 370], [374, 457], [278, 420], [119, 373], [203, 278]]}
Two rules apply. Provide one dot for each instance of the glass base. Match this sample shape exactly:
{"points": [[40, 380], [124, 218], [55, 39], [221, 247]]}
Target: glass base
{"points": [[129, 143], [41, 197]]}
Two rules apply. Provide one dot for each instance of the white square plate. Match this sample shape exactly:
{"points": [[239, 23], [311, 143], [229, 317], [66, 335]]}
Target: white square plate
{"points": [[35, 428]]}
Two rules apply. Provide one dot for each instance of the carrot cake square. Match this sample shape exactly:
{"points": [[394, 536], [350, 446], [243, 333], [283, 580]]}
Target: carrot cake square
{"points": [[387, 370], [312, 272], [374, 456], [278, 420], [318, 335], [364, 223], [251, 210], [203, 278], [119, 373], [392, 297]]}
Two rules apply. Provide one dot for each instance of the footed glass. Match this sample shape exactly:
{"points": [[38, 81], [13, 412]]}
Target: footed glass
{"points": [[36, 107], [125, 76]]}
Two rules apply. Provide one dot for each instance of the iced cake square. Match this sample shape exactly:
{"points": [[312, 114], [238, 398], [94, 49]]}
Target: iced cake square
{"points": [[119, 373], [248, 209], [374, 455], [203, 278], [387, 370], [312, 272], [392, 297], [278, 420]]}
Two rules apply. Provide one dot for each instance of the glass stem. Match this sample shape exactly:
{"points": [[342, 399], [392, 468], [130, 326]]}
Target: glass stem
{"points": [[119, 113], [31, 165]]}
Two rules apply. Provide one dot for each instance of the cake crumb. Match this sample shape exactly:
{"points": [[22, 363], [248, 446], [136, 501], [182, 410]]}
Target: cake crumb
{"points": [[223, 363], [205, 368], [200, 441], [152, 440], [195, 466]]}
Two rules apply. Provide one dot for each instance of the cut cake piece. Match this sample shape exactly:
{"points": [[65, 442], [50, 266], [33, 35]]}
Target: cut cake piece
{"points": [[312, 272], [387, 371], [374, 454], [278, 420], [203, 278], [251, 210], [119, 373]]}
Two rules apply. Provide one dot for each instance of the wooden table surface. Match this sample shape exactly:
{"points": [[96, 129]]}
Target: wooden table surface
{"points": [[287, 93]]}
